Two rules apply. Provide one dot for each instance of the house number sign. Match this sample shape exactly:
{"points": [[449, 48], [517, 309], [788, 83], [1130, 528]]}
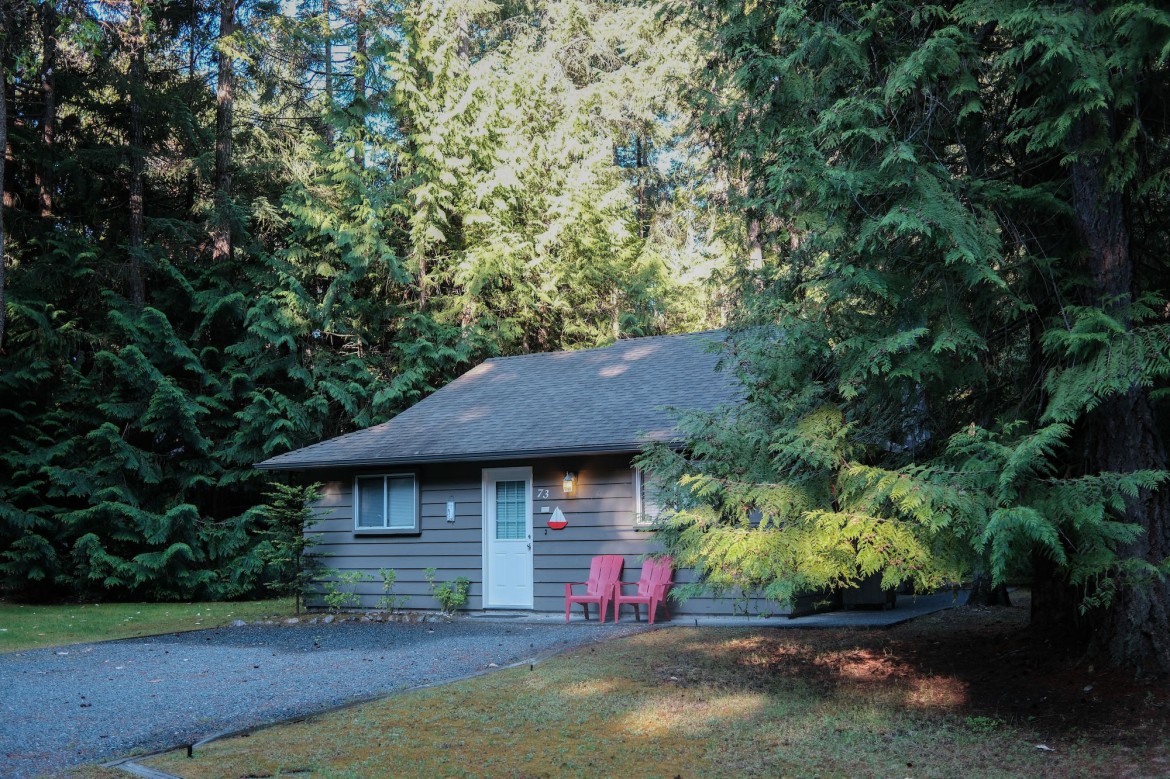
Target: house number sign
{"points": [[541, 493]]}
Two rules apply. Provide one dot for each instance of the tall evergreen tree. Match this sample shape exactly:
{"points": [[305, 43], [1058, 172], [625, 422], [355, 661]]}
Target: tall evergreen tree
{"points": [[954, 339], [234, 228]]}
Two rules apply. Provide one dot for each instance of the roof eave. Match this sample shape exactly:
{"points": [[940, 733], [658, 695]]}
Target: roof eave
{"points": [[469, 457]]}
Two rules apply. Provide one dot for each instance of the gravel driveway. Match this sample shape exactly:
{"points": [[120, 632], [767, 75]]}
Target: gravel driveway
{"points": [[89, 702]]}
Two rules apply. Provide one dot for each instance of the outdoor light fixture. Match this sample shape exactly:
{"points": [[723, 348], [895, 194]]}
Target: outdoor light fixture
{"points": [[570, 482]]}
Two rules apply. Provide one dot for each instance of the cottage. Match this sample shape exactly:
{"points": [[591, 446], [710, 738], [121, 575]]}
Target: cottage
{"points": [[514, 475]]}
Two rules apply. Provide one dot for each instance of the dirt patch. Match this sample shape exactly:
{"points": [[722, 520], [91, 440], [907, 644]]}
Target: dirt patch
{"points": [[986, 664], [1015, 673]]}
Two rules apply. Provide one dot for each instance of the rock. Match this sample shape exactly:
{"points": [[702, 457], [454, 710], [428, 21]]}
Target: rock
{"points": [[326, 619], [313, 621], [292, 621], [238, 623]]}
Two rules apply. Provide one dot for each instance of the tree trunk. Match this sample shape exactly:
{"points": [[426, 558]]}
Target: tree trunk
{"points": [[327, 12], [44, 174], [640, 172], [137, 142], [755, 243], [1133, 632], [359, 76], [1121, 435], [221, 239], [422, 281], [3, 194], [192, 74], [984, 592], [1055, 602]]}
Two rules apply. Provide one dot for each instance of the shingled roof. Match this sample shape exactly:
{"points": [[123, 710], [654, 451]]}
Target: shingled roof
{"points": [[610, 399]]}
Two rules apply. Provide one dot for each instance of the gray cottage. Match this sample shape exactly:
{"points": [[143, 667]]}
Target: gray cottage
{"points": [[514, 475]]}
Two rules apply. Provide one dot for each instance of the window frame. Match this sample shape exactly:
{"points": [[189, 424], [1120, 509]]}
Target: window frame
{"points": [[384, 530], [640, 521]]}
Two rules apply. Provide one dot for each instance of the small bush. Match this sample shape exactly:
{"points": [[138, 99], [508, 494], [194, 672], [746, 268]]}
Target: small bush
{"points": [[340, 589], [389, 601], [450, 595]]}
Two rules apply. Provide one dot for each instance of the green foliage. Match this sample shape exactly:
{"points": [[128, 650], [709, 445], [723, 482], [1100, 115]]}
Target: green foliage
{"points": [[451, 595], [982, 724], [940, 342], [341, 588], [389, 601], [285, 550], [474, 180]]}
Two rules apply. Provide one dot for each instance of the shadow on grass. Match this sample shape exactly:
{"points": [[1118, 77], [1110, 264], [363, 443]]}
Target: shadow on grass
{"points": [[916, 700]]}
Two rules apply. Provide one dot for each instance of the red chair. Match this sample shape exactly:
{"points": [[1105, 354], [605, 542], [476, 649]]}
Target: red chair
{"points": [[652, 588], [604, 573]]}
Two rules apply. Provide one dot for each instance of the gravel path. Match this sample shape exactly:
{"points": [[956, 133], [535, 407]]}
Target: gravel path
{"points": [[89, 702]]}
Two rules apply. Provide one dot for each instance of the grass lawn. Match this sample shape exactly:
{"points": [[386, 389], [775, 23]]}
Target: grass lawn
{"points": [[29, 626], [967, 693]]}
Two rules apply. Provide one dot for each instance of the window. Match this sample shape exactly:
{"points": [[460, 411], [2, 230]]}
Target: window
{"points": [[647, 505], [511, 510], [386, 504]]}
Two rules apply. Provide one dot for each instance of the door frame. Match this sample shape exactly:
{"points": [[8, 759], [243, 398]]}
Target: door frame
{"points": [[515, 473]]}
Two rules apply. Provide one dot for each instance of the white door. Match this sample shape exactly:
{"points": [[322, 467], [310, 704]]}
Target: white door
{"points": [[507, 519]]}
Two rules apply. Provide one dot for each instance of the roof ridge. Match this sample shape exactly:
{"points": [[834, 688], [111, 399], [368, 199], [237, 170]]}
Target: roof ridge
{"points": [[607, 346]]}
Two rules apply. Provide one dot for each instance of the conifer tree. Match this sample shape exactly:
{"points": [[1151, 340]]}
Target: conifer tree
{"points": [[235, 228], [955, 339]]}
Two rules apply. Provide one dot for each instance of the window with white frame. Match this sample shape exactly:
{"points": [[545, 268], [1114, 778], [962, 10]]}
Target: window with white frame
{"points": [[647, 499], [386, 503]]}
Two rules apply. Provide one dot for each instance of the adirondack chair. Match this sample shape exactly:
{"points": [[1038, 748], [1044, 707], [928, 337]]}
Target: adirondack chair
{"points": [[652, 588], [604, 572]]}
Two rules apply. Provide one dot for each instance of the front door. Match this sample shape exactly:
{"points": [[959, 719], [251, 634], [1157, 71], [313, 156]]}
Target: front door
{"points": [[507, 519]]}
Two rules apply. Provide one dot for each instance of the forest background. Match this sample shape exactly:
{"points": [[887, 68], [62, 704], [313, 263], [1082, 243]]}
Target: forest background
{"points": [[935, 232], [234, 229]]}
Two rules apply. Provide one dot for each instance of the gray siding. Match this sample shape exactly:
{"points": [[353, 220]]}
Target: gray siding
{"points": [[600, 515], [454, 549]]}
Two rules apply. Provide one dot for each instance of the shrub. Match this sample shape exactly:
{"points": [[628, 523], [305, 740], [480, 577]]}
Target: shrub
{"points": [[450, 595]]}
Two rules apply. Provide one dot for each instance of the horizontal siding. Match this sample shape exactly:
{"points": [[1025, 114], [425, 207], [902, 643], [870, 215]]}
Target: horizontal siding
{"points": [[600, 515], [453, 549]]}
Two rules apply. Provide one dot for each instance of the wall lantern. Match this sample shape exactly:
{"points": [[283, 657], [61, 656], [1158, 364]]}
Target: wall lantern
{"points": [[570, 482]]}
